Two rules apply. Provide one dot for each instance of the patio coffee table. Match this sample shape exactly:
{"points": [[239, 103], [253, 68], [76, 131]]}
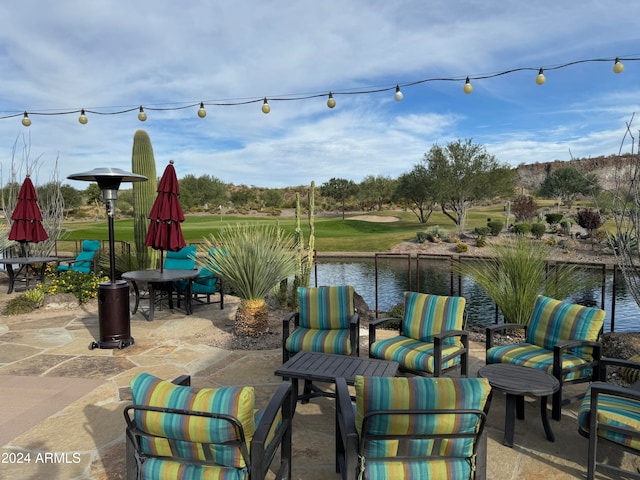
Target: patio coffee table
{"points": [[518, 382], [326, 367]]}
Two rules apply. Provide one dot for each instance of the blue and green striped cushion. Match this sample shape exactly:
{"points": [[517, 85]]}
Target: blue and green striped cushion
{"points": [[613, 411], [235, 401], [411, 354], [161, 469], [426, 315], [553, 321], [527, 355], [315, 340], [326, 308], [450, 468], [399, 393]]}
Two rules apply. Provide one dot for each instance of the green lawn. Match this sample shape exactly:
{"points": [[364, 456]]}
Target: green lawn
{"points": [[331, 232]]}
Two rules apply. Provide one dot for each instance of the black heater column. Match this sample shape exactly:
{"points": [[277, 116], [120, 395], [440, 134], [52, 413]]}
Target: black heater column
{"points": [[113, 296]]}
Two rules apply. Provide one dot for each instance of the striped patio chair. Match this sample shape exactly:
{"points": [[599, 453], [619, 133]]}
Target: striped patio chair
{"points": [[326, 322], [431, 337], [417, 427], [560, 339], [176, 432], [613, 413]]}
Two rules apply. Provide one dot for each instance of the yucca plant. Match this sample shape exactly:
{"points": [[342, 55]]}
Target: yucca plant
{"points": [[252, 260], [516, 274]]}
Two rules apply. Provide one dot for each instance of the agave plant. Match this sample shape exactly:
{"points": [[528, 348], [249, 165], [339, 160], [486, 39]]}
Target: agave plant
{"points": [[252, 260], [516, 274]]}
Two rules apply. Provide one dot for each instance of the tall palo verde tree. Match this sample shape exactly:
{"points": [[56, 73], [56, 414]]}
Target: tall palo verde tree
{"points": [[144, 193]]}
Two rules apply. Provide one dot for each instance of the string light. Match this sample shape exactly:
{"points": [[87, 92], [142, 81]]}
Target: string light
{"points": [[83, 118], [398, 96], [332, 101], [618, 66], [201, 111], [265, 106], [468, 88]]}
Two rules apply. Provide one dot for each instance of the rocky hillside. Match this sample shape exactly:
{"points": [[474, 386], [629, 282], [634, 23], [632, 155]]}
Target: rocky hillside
{"points": [[607, 169]]}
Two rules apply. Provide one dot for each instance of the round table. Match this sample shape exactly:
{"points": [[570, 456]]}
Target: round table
{"points": [[517, 382]]}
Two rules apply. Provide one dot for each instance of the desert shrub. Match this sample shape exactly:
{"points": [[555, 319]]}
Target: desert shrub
{"points": [[538, 230], [552, 241], [553, 218], [524, 207], [18, 305], [566, 226], [452, 239], [462, 247], [481, 231], [37, 295], [481, 242], [589, 219], [522, 228], [495, 227], [397, 311], [624, 242], [84, 286]]}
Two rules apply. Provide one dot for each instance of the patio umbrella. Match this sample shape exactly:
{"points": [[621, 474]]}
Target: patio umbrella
{"points": [[164, 231], [26, 219]]}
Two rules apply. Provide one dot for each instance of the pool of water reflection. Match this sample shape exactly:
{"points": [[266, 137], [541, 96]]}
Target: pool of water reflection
{"points": [[395, 276]]}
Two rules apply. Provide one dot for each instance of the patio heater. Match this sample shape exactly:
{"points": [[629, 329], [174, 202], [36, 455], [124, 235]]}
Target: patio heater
{"points": [[113, 296]]}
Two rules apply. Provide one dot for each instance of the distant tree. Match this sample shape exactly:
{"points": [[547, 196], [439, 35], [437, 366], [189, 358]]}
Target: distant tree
{"points": [[202, 191], [376, 190], [272, 198], [463, 173], [590, 220], [567, 184], [71, 197], [340, 189], [417, 191], [524, 207], [242, 196], [93, 194]]}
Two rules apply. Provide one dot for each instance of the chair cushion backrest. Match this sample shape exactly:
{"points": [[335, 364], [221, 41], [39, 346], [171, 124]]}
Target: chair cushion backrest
{"points": [[237, 402], [419, 393], [183, 259], [83, 259], [90, 246], [326, 308], [426, 315], [553, 321]]}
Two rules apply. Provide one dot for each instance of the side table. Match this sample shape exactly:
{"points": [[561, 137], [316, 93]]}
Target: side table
{"points": [[517, 382]]}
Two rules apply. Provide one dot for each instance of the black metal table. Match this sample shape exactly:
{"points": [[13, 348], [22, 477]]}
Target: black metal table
{"points": [[326, 367], [155, 279], [517, 382], [29, 268]]}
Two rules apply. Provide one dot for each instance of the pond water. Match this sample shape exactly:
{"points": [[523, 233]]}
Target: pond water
{"points": [[433, 275]]}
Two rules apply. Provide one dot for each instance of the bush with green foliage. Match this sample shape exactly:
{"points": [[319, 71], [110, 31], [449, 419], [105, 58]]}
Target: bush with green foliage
{"points": [[553, 218], [495, 227], [18, 305], [452, 239], [37, 295], [623, 242], [522, 228], [462, 247], [566, 226], [83, 286], [538, 229], [481, 231], [481, 242]]}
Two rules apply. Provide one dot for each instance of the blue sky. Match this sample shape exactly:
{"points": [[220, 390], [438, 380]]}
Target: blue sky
{"points": [[109, 56]]}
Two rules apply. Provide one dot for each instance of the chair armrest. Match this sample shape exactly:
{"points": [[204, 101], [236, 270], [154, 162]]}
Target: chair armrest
{"points": [[606, 362], [354, 334], [439, 360], [560, 348], [501, 327], [346, 433], [379, 322], [263, 453], [184, 380]]}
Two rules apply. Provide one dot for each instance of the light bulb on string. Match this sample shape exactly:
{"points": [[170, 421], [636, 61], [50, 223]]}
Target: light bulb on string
{"points": [[141, 115], [332, 101], [26, 121], [265, 106], [618, 66], [83, 118], [398, 96], [201, 111], [468, 88], [540, 79]]}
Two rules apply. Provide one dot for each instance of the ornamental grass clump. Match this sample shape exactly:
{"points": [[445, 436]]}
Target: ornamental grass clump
{"points": [[516, 274], [252, 260]]}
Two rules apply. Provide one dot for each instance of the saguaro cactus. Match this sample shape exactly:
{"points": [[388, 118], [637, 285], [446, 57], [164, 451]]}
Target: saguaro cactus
{"points": [[144, 194]]}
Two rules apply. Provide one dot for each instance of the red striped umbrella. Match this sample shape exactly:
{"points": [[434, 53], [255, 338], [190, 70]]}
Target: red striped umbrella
{"points": [[26, 219], [164, 231]]}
